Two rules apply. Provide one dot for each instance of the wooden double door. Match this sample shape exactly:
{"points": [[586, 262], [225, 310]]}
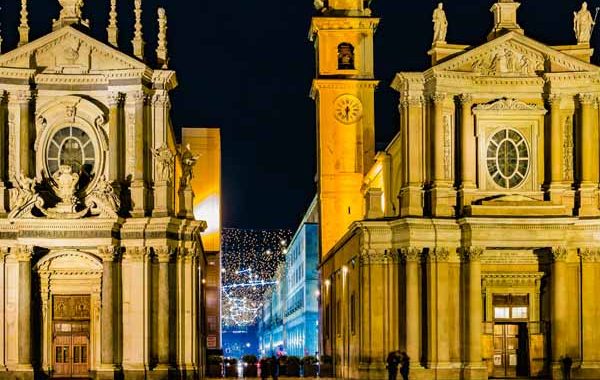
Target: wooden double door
{"points": [[511, 350], [71, 349]]}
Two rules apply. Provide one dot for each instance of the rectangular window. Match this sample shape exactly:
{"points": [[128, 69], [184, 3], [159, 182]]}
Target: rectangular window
{"points": [[519, 312], [501, 312]]}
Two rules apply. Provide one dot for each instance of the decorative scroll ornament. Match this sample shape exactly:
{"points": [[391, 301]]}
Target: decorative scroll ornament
{"points": [[24, 198], [165, 159], [103, 201], [507, 104], [188, 161]]}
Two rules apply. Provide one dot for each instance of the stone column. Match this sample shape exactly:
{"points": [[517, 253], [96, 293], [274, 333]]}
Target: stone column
{"points": [[467, 138], [108, 255], [411, 194], [24, 255], [136, 154], [438, 355], [589, 157], [442, 195], [412, 258], [3, 254], [560, 309], [556, 155], [114, 138], [438, 172], [20, 136], [590, 257], [472, 256], [163, 255]]}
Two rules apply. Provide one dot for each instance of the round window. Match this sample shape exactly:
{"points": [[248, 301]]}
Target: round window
{"points": [[71, 146], [508, 158]]}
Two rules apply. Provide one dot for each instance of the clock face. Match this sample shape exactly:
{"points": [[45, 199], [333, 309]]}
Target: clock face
{"points": [[508, 158], [71, 146], [348, 109]]}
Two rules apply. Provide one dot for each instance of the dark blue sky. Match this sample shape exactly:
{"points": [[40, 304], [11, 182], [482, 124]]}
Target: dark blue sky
{"points": [[246, 66]]}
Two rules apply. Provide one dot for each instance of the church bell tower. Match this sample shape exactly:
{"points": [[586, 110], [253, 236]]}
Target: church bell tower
{"points": [[343, 90]]}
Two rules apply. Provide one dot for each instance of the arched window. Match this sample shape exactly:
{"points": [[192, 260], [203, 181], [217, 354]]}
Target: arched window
{"points": [[345, 56]]}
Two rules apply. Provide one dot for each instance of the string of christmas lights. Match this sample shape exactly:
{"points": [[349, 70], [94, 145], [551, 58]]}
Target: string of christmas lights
{"points": [[249, 263]]}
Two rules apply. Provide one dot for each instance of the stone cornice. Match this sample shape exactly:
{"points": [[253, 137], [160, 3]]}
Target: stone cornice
{"points": [[516, 279], [507, 104], [342, 23]]}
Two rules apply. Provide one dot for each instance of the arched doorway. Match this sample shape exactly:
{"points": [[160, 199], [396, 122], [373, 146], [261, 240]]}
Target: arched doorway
{"points": [[70, 284]]}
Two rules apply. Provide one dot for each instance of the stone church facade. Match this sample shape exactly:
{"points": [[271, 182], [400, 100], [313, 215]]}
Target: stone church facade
{"points": [[100, 258], [473, 241]]}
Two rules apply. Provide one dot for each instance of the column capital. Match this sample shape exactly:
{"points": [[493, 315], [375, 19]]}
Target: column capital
{"points": [[164, 254], [135, 97], [115, 99], [438, 98], [412, 101], [160, 99], [4, 251], [465, 99], [23, 253], [109, 253], [20, 96], [559, 254], [439, 254], [586, 98], [554, 99], [471, 254], [135, 253], [411, 254], [590, 255]]}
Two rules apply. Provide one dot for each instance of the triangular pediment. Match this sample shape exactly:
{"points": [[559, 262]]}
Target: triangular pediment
{"points": [[69, 51], [514, 54]]}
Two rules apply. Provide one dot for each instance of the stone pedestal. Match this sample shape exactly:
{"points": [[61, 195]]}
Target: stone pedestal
{"points": [[443, 201], [138, 198], [186, 203], [374, 200], [163, 199], [411, 201]]}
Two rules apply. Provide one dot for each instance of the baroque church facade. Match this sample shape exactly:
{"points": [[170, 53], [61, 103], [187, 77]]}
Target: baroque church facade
{"points": [[101, 258], [472, 242]]}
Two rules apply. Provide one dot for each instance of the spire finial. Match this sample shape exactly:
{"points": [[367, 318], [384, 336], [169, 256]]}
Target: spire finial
{"points": [[24, 27], [161, 50], [113, 30], [138, 41]]}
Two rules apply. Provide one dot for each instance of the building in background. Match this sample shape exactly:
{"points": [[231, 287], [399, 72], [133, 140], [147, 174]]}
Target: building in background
{"points": [[473, 241], [250, 261], [206, 184], [289, 319]]}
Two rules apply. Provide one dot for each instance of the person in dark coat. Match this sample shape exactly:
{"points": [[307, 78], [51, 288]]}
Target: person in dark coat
{"points": [[275, 367], [392, 365], [404, 365]]}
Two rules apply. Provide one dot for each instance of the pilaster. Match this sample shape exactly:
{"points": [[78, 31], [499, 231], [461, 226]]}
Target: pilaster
{"points": [[588, 126], [24, 255], [411, 193], [115, 171], [164, 255], [136, 154], [413, 317], [20, 134], [475, 368], [468, 151], [443, 196], [559, 306], [590, 261], [108, 254], [438, 335]]}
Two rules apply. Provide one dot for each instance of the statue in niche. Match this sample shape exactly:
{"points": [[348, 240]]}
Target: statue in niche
{"points": [[440, 24], [345, 56], [188, 161], [583, 24]]}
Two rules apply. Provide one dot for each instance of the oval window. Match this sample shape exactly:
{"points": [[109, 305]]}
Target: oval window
{"points": [[508, 158], [71, 146]]}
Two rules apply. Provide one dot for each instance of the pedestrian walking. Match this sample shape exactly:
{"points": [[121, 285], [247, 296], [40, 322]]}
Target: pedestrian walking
{"points": [[275, 367], [392, 365], [404, 365]]}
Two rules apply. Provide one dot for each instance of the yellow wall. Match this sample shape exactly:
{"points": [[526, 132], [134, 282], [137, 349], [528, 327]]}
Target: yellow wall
{"points": [[206, 183]]}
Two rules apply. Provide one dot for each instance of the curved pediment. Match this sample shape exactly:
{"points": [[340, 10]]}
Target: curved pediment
{"points": [[69, 261]]}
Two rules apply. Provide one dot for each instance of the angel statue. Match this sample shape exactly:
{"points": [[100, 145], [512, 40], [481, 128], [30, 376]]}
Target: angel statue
{"points": [[164, 157], [583, 24], [440, 24], [188, 161], [25, 197]]}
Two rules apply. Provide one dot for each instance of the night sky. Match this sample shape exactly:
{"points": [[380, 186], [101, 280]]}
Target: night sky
{"points": [[246, 66]]}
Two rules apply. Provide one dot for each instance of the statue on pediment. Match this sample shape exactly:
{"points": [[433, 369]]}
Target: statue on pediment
{"points": [[440, 24], [583, 23]]}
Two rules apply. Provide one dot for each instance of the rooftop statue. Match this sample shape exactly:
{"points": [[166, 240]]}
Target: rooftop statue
{"points": [[440, 24], [583, 24], [188, 161]]}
